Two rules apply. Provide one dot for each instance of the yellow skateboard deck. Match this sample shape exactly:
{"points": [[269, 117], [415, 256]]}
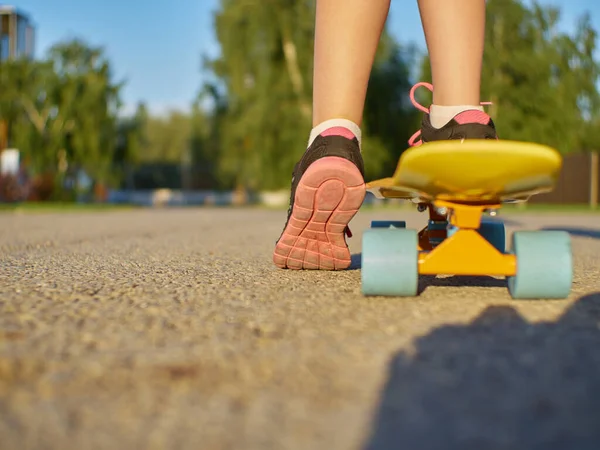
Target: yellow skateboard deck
{"points": [[472, 171]]}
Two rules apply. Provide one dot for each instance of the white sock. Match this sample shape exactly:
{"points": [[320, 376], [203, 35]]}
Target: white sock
{"points": [[334, 123], [441, 115]]}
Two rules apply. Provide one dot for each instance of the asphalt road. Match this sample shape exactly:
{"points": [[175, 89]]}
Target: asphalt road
{"points": [[159, 329]]}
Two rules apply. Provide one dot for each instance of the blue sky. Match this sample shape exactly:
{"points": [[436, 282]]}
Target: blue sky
{"points": [[158, 48]]}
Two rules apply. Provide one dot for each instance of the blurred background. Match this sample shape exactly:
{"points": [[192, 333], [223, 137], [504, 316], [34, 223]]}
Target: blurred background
{"points": [[208, 102]]}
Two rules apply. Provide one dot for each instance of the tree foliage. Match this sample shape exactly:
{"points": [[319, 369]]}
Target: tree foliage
{"points": [[264, 93], [389, 117], [264, 74], [61, 111]]}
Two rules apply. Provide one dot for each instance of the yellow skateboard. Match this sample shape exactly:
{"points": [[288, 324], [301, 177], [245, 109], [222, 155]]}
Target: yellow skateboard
{"points": [[459, 183]]}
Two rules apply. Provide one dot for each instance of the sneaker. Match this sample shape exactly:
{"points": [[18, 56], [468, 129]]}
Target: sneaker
{"points": [[470, 124], [328, 189]]}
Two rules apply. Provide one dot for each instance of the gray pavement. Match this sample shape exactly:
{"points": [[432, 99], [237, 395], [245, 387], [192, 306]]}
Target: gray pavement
{"points": [[158, 329]]}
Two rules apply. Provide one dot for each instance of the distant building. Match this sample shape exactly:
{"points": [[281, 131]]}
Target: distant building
{"points": [[17, 40], [17, 34]]}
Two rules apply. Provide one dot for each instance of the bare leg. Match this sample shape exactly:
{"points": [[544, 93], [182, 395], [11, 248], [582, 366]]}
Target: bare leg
{"points": [[346, 39], [454, 31]]}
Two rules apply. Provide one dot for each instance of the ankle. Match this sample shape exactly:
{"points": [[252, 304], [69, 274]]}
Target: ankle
{"points": [[336, 127], [441, 115]]}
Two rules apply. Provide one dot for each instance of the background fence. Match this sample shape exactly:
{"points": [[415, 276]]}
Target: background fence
{"points": [[579, 182]]}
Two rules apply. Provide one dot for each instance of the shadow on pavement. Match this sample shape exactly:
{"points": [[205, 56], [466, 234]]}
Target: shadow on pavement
{"points": [[579, 232], [426, 281], [498, 383]]}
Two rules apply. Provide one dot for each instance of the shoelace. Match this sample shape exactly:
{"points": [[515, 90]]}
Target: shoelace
{"points": [[413, 139]]}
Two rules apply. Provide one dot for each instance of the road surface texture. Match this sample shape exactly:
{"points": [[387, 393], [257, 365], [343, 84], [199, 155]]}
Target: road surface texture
{"points": [[155, 329]]}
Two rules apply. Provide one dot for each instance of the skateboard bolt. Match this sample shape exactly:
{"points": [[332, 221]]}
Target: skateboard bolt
{"points": [[421, 207]]}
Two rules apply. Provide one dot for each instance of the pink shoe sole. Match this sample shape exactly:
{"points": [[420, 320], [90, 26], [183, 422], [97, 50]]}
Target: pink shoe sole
{"points": [[328, 196]]}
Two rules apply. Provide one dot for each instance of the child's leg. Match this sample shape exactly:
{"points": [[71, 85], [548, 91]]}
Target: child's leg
{"points": [[455, 33], [327, 185], [346, 38]]}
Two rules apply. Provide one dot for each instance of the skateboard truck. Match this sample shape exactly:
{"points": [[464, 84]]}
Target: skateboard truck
{"points": [[448, 257]]}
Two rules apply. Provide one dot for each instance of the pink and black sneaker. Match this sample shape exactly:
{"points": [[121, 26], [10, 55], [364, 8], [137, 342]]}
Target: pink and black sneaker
{"points": [[328, 189], [470, 124]]}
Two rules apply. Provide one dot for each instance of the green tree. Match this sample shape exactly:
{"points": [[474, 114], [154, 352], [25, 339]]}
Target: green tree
{"points": [[389, 118], [61, 111], [132, 137], [168, 138], [27, 109], [204, 147], [264, 68], [86, 102], [214, 140], [264, 88]]}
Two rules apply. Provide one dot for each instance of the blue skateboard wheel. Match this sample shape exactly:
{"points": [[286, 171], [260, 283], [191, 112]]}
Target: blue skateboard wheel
{"points": [[390, 262], [544, 265]]}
